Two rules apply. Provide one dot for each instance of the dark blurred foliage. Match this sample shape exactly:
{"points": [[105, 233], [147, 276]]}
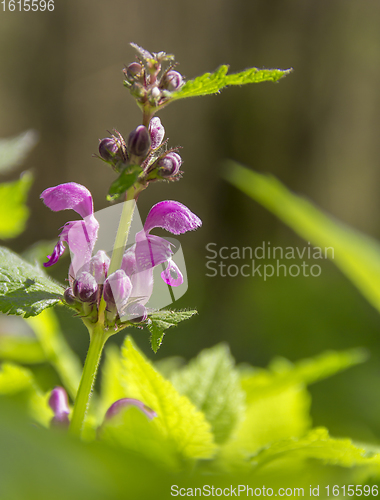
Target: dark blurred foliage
{"points": [[316, 130]]}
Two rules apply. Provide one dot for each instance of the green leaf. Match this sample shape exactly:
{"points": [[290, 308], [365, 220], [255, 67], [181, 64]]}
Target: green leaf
{"points": [[14, 379], [125, 180], [211, 382], [21, 349], [14, 150], [177, 419], [283, 374], [279, 414], [25, 289], [357, 255], [56, 350], [131, 429], [161, 321], [13, 209], [36, 464], [317, 444], [112, 387], [211, 83], [278, 404], [18, 383]]}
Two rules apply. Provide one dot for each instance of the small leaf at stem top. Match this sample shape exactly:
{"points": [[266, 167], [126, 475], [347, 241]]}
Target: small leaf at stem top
{"points": [[161, 321]]}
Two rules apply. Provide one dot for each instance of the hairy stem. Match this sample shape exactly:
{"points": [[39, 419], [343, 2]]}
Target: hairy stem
{"points": [[98, 338], [122, 235]]}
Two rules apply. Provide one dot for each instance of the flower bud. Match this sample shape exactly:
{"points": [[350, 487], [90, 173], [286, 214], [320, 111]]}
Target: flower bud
{"points": [[108, 148], [136, 313], [169, 165], [128, 264], [139, 141], [117, 289], [118, 405], [172, 80], [99, 265], [69, 297], [133, 70], [156, 131], [85, 287], [137, 90], [58, 402]]}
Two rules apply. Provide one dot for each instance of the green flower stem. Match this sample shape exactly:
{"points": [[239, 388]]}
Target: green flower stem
{"points": [[98, 338], [98, 334], [122, 235]]}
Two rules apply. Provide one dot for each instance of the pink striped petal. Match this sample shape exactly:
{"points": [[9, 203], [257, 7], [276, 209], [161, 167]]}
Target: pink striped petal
{"points": [[172, 216], [69, 196], [167, 275]]}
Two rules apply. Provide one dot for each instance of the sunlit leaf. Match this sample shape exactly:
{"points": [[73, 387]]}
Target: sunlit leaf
{"points": [[357, 255], [278, 404], [24, 289], [131, 429], [282, 373], [21, 349], [177, 419], [211, 83], [211, 382], [18, 382], [57, 351], [161, 321], [13, 209], [317, 444]]}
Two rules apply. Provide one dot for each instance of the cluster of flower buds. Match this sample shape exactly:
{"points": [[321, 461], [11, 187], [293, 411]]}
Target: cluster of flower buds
{"points": [[88, 287], [145, 147], [149, 84]]}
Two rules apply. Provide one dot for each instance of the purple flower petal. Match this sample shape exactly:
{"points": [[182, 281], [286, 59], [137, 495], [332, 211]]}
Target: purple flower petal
{"points": [[172, 216], [85, 287], [128, 264], [136, 312], [99, 265], [156, 131], [117, 289], [116, 407], [81, 237], [58, 402], [142, 286], [168, 277], [69, 196], [151, 250], [56, 254]]}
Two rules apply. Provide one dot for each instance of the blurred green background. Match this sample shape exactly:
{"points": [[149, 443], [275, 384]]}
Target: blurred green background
{"points": [[316, 130]]}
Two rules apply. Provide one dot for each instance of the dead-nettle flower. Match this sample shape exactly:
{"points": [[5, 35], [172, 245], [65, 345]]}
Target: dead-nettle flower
{"points": [[148, 81], [79, 235], [127, 290]]}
